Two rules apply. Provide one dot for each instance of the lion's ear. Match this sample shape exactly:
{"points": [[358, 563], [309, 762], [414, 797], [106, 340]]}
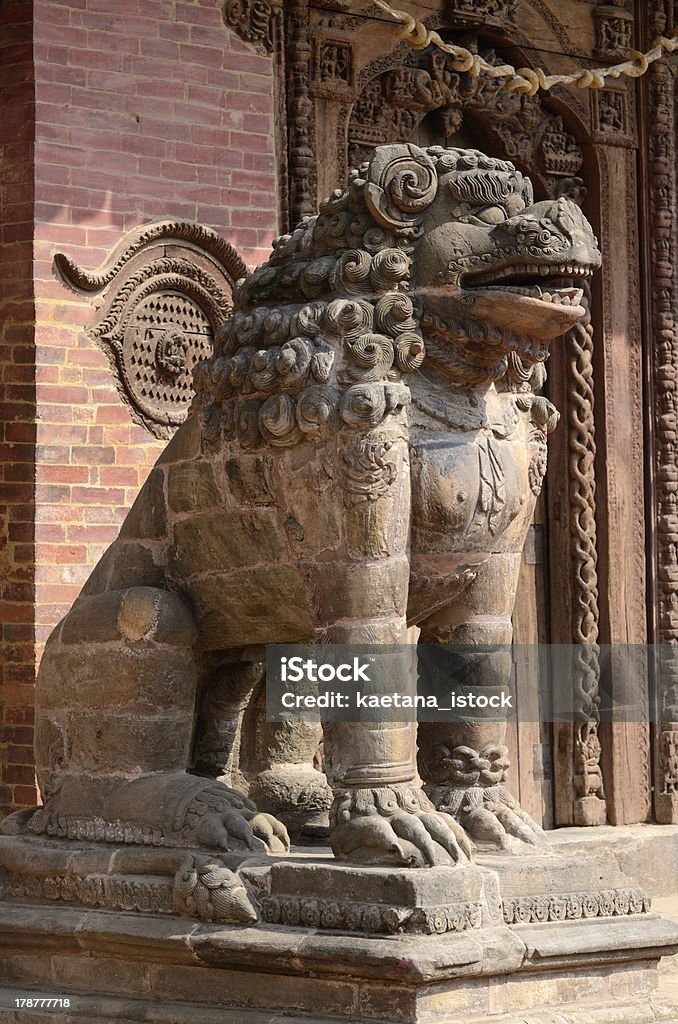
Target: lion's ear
{"points": [[401, 183]]}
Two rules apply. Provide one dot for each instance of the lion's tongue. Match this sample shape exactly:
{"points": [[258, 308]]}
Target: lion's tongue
{"points": [[521, 314]]}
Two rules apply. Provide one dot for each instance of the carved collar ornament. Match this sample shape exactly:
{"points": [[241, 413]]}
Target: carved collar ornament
{"points": [[438, 254]]}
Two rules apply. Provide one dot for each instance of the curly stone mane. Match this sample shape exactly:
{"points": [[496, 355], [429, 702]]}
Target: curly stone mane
{"points": [[325, 332]]}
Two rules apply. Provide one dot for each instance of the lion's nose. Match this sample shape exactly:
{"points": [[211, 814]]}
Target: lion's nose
{"points": [[562, 217]]}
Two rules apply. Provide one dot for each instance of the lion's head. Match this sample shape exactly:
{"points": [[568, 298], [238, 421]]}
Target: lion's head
{"points": [[437, 253]]}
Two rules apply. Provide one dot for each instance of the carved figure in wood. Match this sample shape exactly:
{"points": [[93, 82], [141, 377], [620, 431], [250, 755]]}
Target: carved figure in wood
{"points": [[364, 453]]}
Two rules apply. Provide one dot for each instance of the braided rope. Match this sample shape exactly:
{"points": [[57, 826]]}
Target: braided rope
{"points": [[528, 80]]}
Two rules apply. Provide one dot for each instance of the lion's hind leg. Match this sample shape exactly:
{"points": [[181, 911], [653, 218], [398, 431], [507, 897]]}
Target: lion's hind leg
{"points": [[115, 717]]}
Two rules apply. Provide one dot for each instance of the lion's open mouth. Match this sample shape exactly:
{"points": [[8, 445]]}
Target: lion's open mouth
{"points": [[542, 300], [547, 282]]}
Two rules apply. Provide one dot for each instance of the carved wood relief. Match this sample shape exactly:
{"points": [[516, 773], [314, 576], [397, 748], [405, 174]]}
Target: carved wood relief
{"points": [[661, 93]]}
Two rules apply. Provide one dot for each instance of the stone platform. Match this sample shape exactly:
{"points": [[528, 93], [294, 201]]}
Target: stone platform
{"points": [[506, 939]]}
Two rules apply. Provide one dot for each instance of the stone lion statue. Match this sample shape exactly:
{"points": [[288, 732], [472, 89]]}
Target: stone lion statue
{"points": [[363, 455]]}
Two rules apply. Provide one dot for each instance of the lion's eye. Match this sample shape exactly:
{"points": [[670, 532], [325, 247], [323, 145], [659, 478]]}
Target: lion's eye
{"points": [[491, 215]]}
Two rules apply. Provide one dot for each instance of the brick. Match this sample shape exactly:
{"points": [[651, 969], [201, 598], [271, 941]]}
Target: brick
{"points": [[20, 754], [23, 774], [19, 715], [112, 414], [19, 734], [98, 495], [119, 475], [25, 796], [63, 474], [88, 455]]}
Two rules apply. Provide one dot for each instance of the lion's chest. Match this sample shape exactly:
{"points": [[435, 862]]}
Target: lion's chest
{"points": [[467, 493]]}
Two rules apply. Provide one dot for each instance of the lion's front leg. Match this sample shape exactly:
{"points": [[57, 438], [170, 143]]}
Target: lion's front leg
{"points": [[379, 812], [464, 763]]}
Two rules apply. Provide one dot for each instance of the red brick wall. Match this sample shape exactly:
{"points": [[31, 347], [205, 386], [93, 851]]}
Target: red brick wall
{"points": [[143, 109], [17, 404]]}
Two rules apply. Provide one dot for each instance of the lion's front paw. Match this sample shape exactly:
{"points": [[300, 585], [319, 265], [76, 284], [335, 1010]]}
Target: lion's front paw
{"points": [[490, 815], [394, 825], [221, 818], [470, 785]]}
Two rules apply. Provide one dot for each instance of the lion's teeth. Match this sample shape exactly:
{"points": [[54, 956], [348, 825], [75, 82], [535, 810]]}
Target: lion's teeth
{"points": [[546, 296]]}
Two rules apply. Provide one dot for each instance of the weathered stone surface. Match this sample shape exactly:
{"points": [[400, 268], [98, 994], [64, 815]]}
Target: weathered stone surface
{"points": [[236, 538], [648, 854], [185, 444], [292, 792], [191, 486], [249, 479], [146, 520], [355, 591], [117, 741], [148, 676], [252, 606], [130, 564], [102, 617]]}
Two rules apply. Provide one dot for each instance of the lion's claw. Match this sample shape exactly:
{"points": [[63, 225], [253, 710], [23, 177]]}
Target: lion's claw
{"points": [[271, 831], [490, 815], [393, 825], [224, 819]]}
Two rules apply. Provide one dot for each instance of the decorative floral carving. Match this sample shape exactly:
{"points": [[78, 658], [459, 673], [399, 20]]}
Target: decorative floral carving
{"points": [[661, 100], [300, 153], [668, 761], [394, 101], [333, 66], [575, 905], [157, 313], [367, 473], [589, 796], [614, 116], [374, 918], [110, 891], [479, 11]]}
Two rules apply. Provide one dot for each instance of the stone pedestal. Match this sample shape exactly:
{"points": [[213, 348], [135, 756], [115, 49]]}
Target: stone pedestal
{"points": [[509, 939]]}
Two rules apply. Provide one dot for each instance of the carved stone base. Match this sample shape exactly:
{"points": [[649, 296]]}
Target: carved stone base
{"points": [[537, 888], [449, 954], [317, 892], [131, 879], [666, 808], [175, 970]]}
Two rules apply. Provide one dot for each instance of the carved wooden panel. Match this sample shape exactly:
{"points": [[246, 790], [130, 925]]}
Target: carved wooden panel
{"points": [[661, 105], [159, 299]]}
